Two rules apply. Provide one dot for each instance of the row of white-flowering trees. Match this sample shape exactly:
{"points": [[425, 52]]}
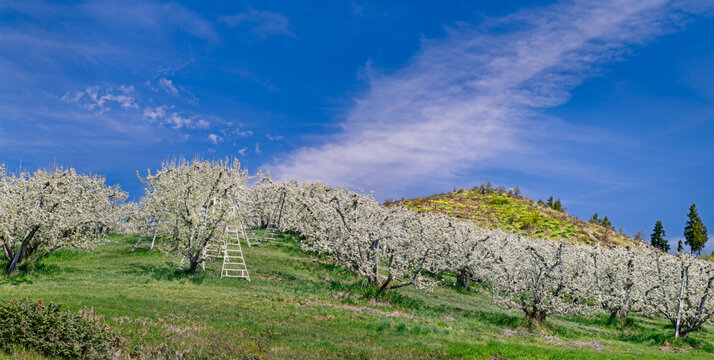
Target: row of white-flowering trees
{"points": [[47, 210], [392, 247]]}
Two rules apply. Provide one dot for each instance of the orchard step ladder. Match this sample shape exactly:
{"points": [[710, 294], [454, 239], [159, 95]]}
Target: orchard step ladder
{"points": [[233, 260], [251, 238], [213, 250], [147, 238], [272, 230]]}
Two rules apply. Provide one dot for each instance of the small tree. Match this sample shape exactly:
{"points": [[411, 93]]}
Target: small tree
{"points": [[695, 232], [550, 202], [52, 209], [617, 277], [682, 290], [193, 202], [657, 238], [539, 277], [680, 247]]}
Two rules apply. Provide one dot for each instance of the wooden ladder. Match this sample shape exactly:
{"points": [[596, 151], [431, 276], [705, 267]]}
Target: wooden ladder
{"points": [[233, 260]]}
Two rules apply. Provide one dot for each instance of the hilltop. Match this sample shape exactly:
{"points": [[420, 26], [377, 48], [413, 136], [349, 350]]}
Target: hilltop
{"points": [[511, 212]]}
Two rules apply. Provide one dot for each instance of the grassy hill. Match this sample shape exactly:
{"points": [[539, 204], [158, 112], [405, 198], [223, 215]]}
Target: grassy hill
{"points": [[303, 306], [490, 208]]}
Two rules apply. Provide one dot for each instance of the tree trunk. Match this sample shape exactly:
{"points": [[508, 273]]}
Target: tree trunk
{"points": [[535, 316], [17, 259], [20, 254], [192, 267], [463, 279], [619, 313], [384, 286], [680, 305]]}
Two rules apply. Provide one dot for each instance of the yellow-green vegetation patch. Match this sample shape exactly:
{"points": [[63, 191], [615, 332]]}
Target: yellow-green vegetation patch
{"points": [[514, 213]]}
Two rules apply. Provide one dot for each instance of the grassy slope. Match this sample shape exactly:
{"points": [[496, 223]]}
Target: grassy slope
{"points": [[513, 213], [302, 306]]}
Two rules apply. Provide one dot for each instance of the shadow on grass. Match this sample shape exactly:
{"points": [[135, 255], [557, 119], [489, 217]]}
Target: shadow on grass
{"points": [[498, 319], [26, 273], [366, 291], [170, 273]]}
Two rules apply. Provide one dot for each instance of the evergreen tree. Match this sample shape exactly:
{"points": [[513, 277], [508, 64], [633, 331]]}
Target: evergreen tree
{"points": [[557, 205], [680, 248], [657, 237], [550, 202], [606, 222], [695, 232]]}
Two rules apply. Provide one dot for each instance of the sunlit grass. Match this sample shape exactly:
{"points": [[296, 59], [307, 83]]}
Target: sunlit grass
{"points": [[303, 306]]}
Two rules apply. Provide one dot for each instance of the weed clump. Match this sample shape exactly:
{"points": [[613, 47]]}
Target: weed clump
{"points": [[54, 331]]}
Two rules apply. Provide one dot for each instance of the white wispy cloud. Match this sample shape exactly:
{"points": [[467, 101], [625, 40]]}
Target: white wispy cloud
{"points": [[168, 86], [100, 99], [476, 97], [241, 133], [261, 23], [155, 16], [174, 120], [273, 137], [215, 138]]}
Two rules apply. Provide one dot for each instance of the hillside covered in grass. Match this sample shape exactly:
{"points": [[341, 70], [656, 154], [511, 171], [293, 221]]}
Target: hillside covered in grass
{"points": [[302, 306], [504, 210]]}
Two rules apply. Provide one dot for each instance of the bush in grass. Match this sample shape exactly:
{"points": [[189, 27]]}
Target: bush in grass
{"points": [[55, 331]]}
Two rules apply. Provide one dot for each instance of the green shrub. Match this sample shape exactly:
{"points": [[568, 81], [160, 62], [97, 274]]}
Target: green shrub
{"points": [[500, 200], [530, 219], [54, 331]]}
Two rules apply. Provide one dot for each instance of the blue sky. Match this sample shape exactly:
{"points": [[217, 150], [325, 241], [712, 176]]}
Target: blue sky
{"points": [[608, 105]]}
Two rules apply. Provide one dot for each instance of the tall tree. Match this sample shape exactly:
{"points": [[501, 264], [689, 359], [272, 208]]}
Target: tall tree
{"points": [[657, 237], [680, 247], [695, 232]]}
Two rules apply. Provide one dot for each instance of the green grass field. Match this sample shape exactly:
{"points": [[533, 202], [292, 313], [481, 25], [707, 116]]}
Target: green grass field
{"points": [[305, 307]]}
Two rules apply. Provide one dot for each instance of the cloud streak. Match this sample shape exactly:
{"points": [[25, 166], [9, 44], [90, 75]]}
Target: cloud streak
{"points": [[261, 23], [99, 99], [477, 95]]}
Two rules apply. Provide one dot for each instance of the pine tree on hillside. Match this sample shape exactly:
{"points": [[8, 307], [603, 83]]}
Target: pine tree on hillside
{"points": [[657, 237], [550, 202], [695, 232], [606, 223], [680, 248], [557, 205]]}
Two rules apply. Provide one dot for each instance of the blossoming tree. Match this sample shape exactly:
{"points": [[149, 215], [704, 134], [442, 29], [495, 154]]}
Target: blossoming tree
{"points": [[47, 210], [192, 202]]}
